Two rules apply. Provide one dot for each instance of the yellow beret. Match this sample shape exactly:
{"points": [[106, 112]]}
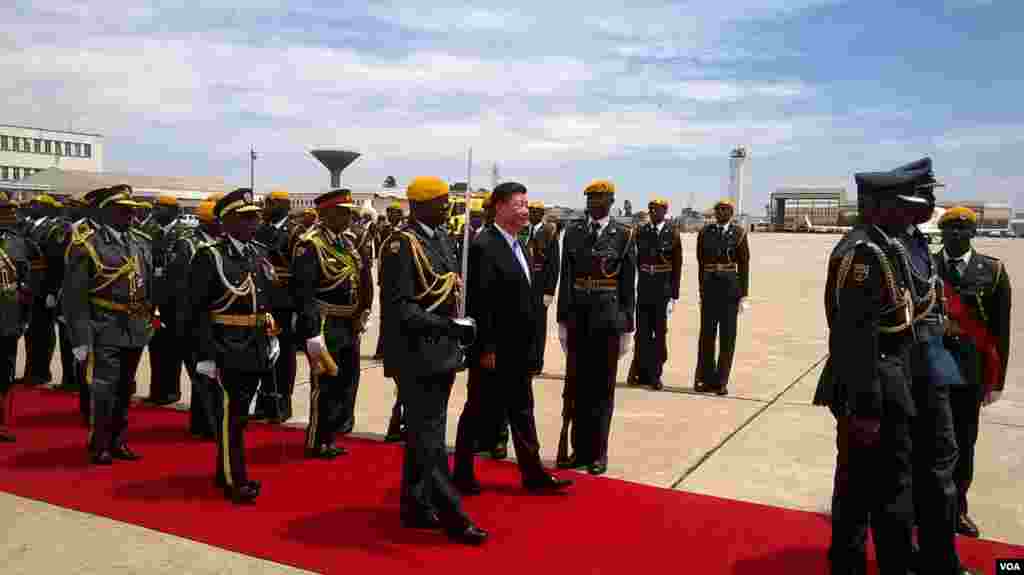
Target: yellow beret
{"points": [[167, 200], [395, 206], [46, 200], [959, 214], [657, 201], [725, 202], [476, 205], [536, 205], [426, 188], [204, 211], [599, 187], [487, 200], [279, 194]]}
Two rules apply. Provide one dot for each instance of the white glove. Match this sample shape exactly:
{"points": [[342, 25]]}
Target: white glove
{"points": [[81, 352], [744, 305], [548, 299], [51, 301], [671, 305], [275, 349], [295, 321], [991, 397], [563, 337], [207, 368], [158, 272], [315, 345], [625, 343]]}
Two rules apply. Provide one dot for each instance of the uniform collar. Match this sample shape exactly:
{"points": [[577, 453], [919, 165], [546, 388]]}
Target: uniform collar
{"points": [[966, 257], [601, 223], [430, 232], [170, 225]]}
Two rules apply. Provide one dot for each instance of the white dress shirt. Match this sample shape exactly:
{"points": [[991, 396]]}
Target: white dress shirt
{"points": [[517, 249]]}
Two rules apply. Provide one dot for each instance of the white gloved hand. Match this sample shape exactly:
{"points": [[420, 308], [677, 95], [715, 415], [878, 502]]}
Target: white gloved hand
{"points": [[744, 305], [625, 344], [81, 352], [51, 301], [275, 349], [548, 299], [295, 321], [991, 397], [207, 368], [158, 272], [671, 306], [563, 337], [315, 345]]}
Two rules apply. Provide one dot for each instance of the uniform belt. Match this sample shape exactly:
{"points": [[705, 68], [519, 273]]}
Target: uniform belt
{"points": [[334, 310], [241, 320], [655, 268], [589, 284], [538, 267], [39, 264], [721, 268], [282, 272], [132, 309]]}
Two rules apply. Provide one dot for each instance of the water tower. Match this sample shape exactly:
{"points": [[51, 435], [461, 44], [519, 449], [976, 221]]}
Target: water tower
{"points": [[335, 161], [737, 164]]}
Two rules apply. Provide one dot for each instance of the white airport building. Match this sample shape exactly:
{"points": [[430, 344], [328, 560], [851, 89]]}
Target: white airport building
{"points": [[26, 151]]}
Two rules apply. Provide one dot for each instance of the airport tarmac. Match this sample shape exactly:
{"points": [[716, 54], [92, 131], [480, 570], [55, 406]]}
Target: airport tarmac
{"points": [[763, 443]]}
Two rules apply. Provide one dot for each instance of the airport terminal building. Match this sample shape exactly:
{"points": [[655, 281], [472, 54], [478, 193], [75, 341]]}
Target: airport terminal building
{"points": [[824, 205]]}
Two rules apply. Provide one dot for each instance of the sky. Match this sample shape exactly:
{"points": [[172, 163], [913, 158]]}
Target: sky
{"points": [[653, 96]]}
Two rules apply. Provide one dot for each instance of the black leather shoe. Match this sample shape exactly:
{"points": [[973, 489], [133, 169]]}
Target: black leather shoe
{"points": [[244, 495], [103, 458], [334, 451], [564, 463], [6, 437], [967, 527], [469, 535], [124, 453], [597, 468], [425, 520], [722, 390], [701, 387], [657, 385], [500, 451], [467, 485], [546, 483]]}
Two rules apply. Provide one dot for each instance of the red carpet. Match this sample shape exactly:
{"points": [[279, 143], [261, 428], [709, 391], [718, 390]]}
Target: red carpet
{"points": [[342, 516]]}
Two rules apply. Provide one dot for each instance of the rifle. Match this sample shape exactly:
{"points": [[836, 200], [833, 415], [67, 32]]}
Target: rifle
{"points": [[977, 332], [568, 415]]}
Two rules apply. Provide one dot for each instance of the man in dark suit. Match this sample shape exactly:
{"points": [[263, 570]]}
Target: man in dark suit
{"points": [[420, 283], [542, 252], [505, 306], [977, 333]]}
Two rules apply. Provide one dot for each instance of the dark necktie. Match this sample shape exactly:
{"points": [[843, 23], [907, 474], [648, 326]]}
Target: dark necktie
{"points": [[956, 271], [594, 229]]}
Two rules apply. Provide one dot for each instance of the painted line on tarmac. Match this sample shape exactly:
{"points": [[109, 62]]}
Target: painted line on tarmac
{"points": [[690, 470]]}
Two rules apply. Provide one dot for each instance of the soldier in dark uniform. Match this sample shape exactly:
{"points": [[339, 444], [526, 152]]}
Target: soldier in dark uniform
{"points": [[275, 399], [545, 261], [723, 277], [57, 244], [596, 301], [205, 403], [396, 424], [237, 344], [978, 297], [40, 339], [165, 357], [333, 290], [660, 270], [108, 306], [15, 308], [882, 382], [423, 351]]}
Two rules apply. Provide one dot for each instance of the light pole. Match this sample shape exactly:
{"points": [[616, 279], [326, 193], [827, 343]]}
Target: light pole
{"points": [[252, 168]]}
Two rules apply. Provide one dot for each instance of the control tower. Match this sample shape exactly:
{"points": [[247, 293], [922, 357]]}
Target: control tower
{"points": [[335, 160], [737, 165]]}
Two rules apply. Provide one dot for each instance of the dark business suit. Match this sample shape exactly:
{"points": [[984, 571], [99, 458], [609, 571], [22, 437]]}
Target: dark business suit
{"points": [[505, 307]]}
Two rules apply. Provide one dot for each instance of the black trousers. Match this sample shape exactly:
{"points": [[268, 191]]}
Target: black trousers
{"points": [[495, 397], [965, 405], [283, 383], [595, 358], [935, 460], [396, 425], [110, 373], [8, 360], [332, 400], [166, 354], [426, 483], [206, 403], [236, 389], [541, 339], [718, 314], [651, 341], [70, 374], [40, 340]]}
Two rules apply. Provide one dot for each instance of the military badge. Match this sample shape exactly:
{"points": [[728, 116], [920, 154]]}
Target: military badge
{"points": [[860, 272], [395, 246]]}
